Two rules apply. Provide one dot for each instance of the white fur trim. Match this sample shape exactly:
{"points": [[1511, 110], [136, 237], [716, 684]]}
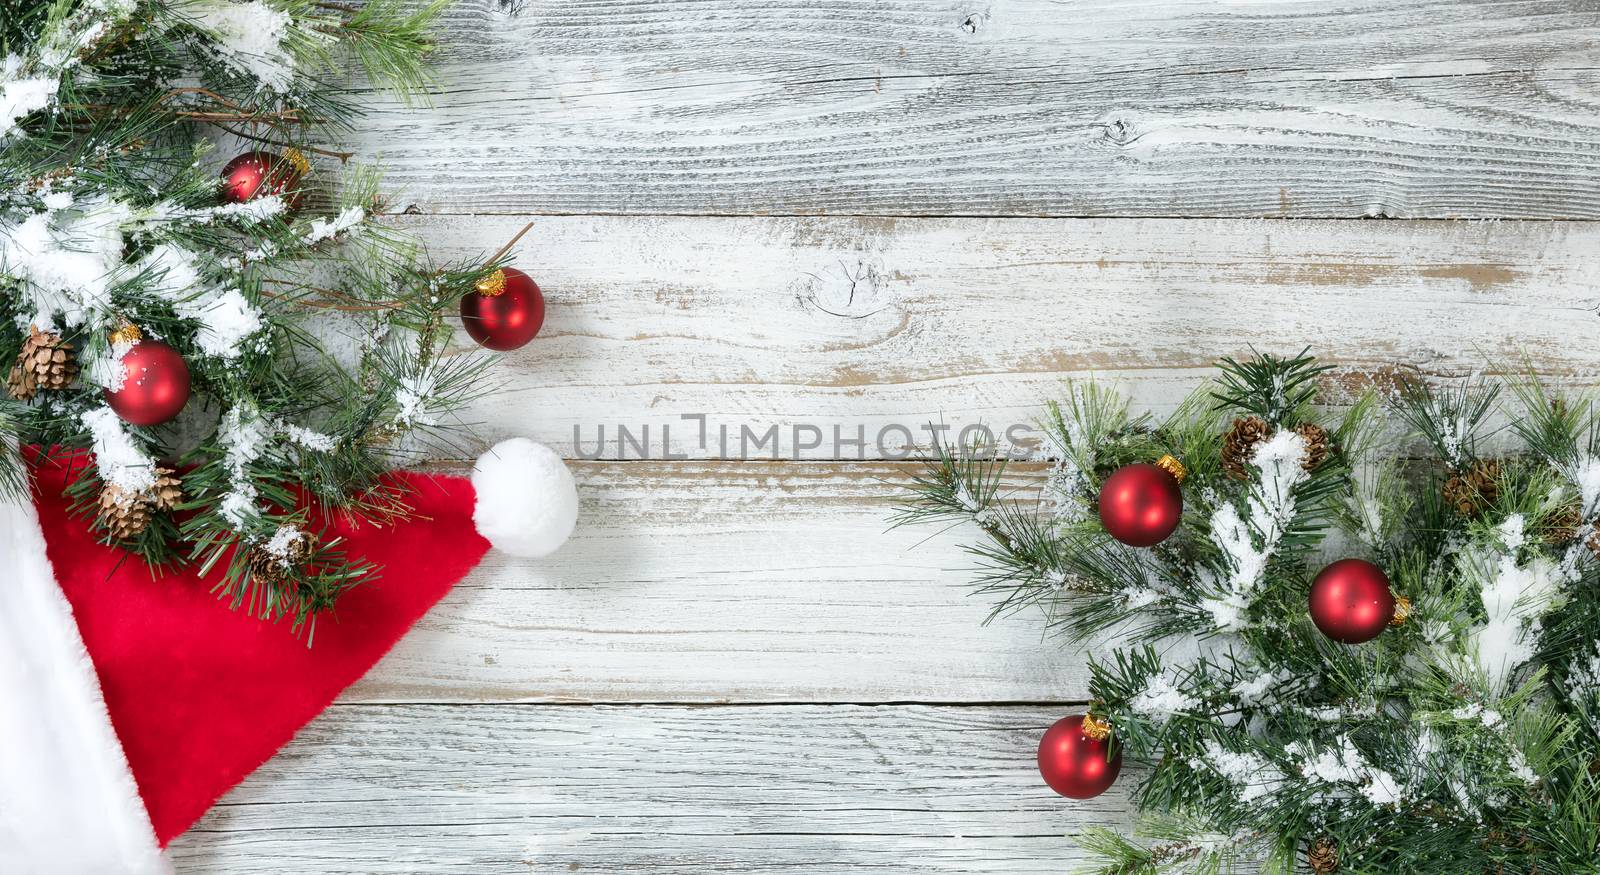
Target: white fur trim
{"points": [[527, 503], [68, 802]]}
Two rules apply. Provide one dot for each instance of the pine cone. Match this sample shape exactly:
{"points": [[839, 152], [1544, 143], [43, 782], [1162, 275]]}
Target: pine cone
{"points": [[1240, 442], [1471, 491], [20, 383], [123, 514], [1323, 856], [167, 493], [45, 362], [1316, 438], [1562, 525], [274, 566]]}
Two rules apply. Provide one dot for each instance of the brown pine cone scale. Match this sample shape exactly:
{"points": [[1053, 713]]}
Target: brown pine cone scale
{"points": [[275, 567], [167, 494], [21, 384], [1323, 856], [1316, 438], [45, 362], [1475, 489], [1240, 442], [125, 514], [1562, 525]]}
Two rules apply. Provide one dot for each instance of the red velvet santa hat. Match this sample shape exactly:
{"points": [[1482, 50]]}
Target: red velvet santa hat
{"points": [[129, 705]]}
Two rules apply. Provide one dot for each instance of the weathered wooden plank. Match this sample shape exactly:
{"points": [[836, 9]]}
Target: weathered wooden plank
{"points": [[729, 582], [503, 789], [867, 324], [1396, 108]]}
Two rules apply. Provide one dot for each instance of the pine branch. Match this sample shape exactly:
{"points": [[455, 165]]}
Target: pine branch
{"points": [[109, 216], [1273, 388], [1466, 739]]}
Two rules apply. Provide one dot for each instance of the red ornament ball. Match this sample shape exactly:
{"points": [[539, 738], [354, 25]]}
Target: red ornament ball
{"points": [[155, 384], [1351, 601], [505, 311], [259, 174], [1141, 504], [1074, 763]]}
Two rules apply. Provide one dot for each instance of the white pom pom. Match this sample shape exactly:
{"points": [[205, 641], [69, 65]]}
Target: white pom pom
{"points": [[527, 503]]}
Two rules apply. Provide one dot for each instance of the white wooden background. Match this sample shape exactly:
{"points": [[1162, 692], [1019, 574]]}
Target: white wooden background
{"points": [[843, 212]]}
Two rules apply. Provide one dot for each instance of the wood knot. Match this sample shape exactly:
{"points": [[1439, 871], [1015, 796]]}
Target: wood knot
{"points": [[1118, 131], [974, 22], [850, 290]]}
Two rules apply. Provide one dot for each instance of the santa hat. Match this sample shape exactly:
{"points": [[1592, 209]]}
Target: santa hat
{"points": [[130, 704]]}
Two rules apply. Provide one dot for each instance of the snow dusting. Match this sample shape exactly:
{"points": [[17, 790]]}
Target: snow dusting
{"points": [[170, 270], [1514, 595], [104, 368], [282, 541], [244, 437], [311, 440], [258, 209], [1343, 766], [322, 229], [67, 259], [225, 318], [251, 38], [1161, 700], [1252, 774], [226, 321], [1248, 544], [1365, 504], [412, 399], [1584, 681], [22, 95], [120, 461], [1586, 476], [1253, 690]]}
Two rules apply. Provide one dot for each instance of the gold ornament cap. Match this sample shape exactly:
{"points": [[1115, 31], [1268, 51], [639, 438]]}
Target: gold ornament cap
{"points": [[1402, 611], [1095, 728], [128, 333], [297, 160], [492, 284], [1170, 464]]}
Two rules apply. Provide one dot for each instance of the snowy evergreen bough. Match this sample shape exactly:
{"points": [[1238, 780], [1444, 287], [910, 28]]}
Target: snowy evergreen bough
{"points": [[315, 336], [1465, 738]]}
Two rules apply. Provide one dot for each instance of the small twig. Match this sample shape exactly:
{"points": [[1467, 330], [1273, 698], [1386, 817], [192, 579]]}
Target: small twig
{"points": [[332, 293], [328, 305], [315, 150], [512, 242], [204, 92], [357, 307], [287, 115], [354, 306]]}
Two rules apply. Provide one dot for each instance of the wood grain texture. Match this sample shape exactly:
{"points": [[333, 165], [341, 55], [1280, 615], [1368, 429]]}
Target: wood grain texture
{"points": [[1392, 108], [373, 790], [658, 146], [730, 582], [723, 581], [862, 324]]}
